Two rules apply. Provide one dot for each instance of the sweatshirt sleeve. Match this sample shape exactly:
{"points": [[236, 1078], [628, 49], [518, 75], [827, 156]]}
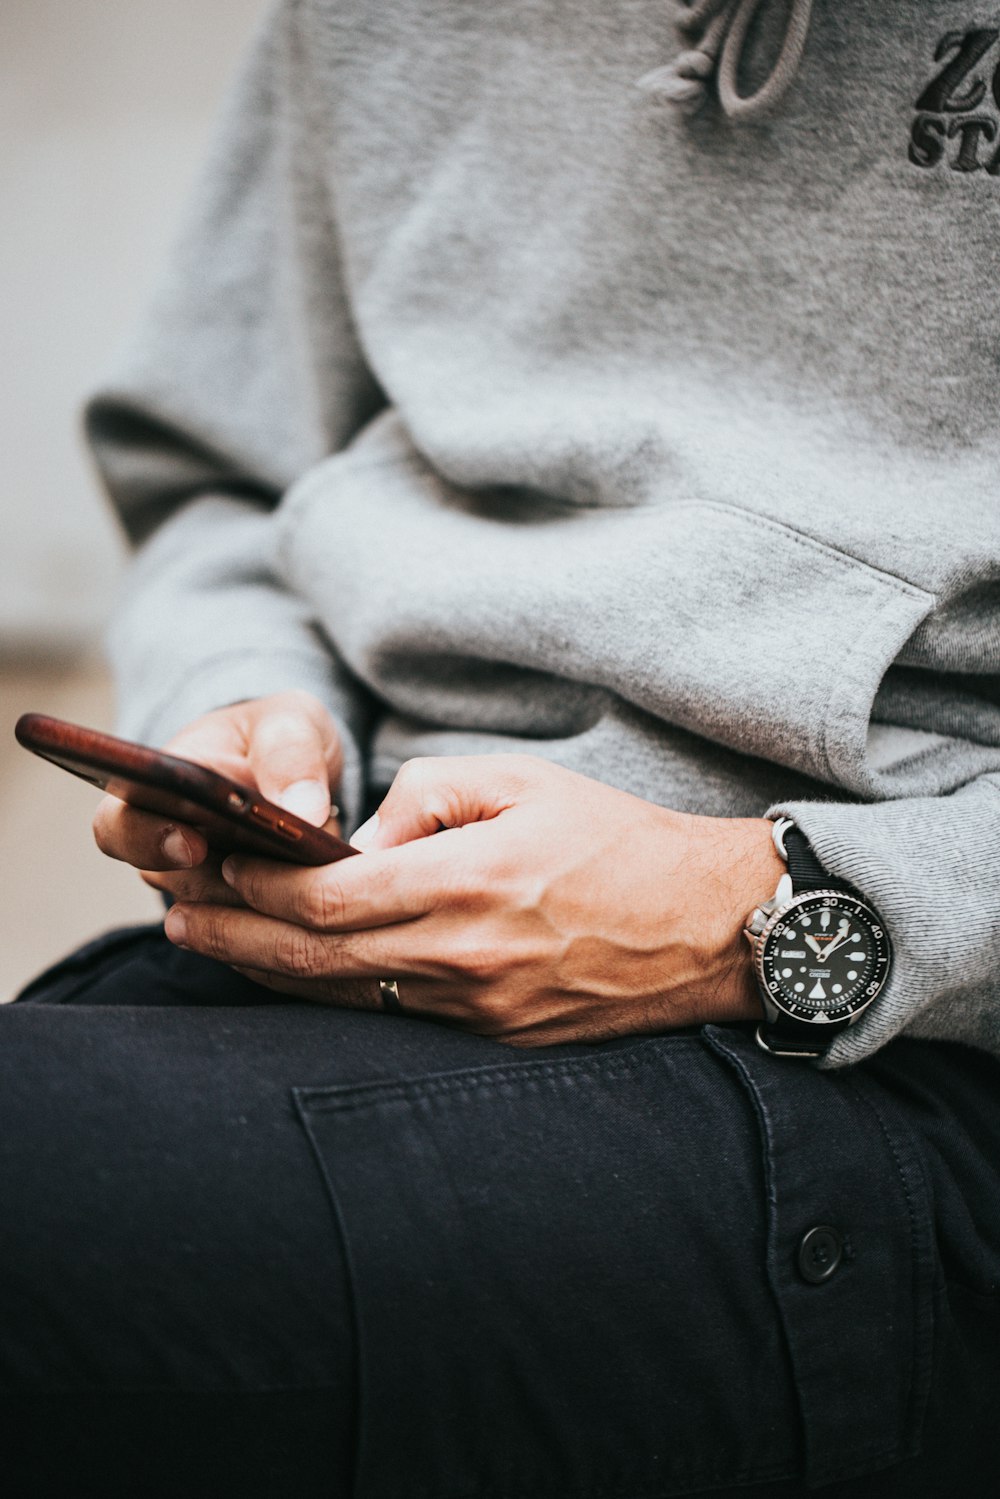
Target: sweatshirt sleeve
{"points": [[244, 373], [931, 867]]}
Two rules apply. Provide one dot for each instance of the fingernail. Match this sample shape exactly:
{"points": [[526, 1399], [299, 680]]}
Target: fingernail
{"points": [[366, 832], [175, 926], [176, 848], [309, 800], [229, 871]]}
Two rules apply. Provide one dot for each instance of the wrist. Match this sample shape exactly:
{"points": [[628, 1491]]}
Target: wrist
{"points": [[745, 868]]}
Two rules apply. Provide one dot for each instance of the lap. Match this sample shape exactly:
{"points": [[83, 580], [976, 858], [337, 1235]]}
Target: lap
{"points": [[575, 1272]]}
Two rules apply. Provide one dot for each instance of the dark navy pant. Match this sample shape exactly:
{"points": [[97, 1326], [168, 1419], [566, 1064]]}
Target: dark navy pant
{"points": [[252, 1248]]}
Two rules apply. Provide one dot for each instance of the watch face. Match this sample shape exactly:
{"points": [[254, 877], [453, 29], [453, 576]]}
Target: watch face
{"points": [[824, 956]]}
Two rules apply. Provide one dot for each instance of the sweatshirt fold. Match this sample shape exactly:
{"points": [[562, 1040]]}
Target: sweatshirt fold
{"points": [[504, 410]]}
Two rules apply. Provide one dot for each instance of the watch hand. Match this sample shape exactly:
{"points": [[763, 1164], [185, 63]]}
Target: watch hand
{"points": [[811, 942], [843, 933]]}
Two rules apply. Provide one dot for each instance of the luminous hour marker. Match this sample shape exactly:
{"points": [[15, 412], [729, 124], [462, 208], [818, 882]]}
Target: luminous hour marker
{"points": [[852, 973], [799, 988], [856, 957], [786, 973], [818, 992], [824, 918], [805, 921], [856, 937], [837, 988]]}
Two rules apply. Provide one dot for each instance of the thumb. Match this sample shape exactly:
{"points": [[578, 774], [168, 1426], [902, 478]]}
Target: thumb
{"points": [[431, 794], [294, 757]]}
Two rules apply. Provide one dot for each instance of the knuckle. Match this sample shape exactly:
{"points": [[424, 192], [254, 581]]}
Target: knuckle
{"points": [[431, 795], [324, 906], [210, 933], [412, 773], [442, 804], [250, 886], [493, 1015], [296, 954], [471, 885], [523, 891], [479, 962]]}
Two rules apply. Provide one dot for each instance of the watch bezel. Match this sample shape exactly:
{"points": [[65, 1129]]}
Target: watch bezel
{"points": [[839, 1014]]}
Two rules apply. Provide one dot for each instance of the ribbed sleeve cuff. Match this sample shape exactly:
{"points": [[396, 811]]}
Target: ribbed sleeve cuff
{"points": [[931, 868]]}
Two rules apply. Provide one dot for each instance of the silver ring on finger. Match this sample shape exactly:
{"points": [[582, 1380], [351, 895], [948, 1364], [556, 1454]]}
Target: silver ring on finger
{"points": [[391, 1002]]}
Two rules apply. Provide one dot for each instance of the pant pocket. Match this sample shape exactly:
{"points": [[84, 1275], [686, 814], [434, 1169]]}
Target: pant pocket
{"points": [[559, 1278]]}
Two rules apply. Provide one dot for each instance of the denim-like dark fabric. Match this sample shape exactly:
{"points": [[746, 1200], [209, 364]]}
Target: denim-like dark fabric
{"points": [[258, 1248]]}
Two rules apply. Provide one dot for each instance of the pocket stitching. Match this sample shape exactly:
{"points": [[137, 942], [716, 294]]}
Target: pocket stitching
{"points": [[340, 1097], [809, 543], [839, 687]]}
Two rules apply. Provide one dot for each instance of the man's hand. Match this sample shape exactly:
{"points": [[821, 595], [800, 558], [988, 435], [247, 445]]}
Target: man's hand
{"points": [[286, 746], [547, 908]]}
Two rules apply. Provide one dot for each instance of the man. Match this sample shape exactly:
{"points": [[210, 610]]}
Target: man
{"points": [[608, 490]]}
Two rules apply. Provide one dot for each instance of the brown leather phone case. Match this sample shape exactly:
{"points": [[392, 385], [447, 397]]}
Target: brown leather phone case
{"points": [[230, 816]]}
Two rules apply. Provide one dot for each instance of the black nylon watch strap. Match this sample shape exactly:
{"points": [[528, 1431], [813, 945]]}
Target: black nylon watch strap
{"points": [[785, 1037], [806, 871]]}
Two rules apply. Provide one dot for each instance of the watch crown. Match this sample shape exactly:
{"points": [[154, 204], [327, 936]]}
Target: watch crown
{"points": [[757, 921]]}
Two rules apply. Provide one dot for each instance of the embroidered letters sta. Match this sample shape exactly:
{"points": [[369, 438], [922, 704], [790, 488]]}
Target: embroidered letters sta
{"points": [[958, 113]]}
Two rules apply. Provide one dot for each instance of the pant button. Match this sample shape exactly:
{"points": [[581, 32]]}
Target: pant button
{"points": [[820, 1252]]}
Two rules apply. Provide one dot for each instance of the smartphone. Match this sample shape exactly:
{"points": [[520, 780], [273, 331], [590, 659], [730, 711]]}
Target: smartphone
{"points": [[230, 816]]}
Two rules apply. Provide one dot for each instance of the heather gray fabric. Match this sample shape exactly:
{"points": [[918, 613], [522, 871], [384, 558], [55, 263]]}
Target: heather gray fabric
{"points": [[507, 410]]}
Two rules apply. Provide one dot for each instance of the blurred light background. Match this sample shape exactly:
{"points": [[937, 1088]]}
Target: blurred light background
{"points": [[105, 108]]}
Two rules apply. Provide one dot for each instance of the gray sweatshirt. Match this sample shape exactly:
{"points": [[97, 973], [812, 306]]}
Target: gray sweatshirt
{"points": [[507, 406]]}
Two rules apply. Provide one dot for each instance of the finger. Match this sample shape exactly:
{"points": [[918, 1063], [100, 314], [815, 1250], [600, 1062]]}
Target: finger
{"points": [[204, 884], [443, 792], [294, 754], [349, 994], [146, 839], [381, 889], [244, 938], [423, 1000]]}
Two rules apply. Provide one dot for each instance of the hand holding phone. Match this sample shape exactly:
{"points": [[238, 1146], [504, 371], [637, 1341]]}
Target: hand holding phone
{"points": [[229, 814]]}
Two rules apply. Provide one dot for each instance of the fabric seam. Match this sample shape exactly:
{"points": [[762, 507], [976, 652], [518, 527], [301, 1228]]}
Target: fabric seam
{"points": [[340, 1097]]}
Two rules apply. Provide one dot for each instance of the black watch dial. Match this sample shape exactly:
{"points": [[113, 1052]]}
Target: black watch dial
{"points": [[825, 956]]}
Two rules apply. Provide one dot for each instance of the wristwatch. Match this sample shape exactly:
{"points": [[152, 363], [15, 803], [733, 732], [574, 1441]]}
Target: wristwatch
{"points": [[821, 954]]}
